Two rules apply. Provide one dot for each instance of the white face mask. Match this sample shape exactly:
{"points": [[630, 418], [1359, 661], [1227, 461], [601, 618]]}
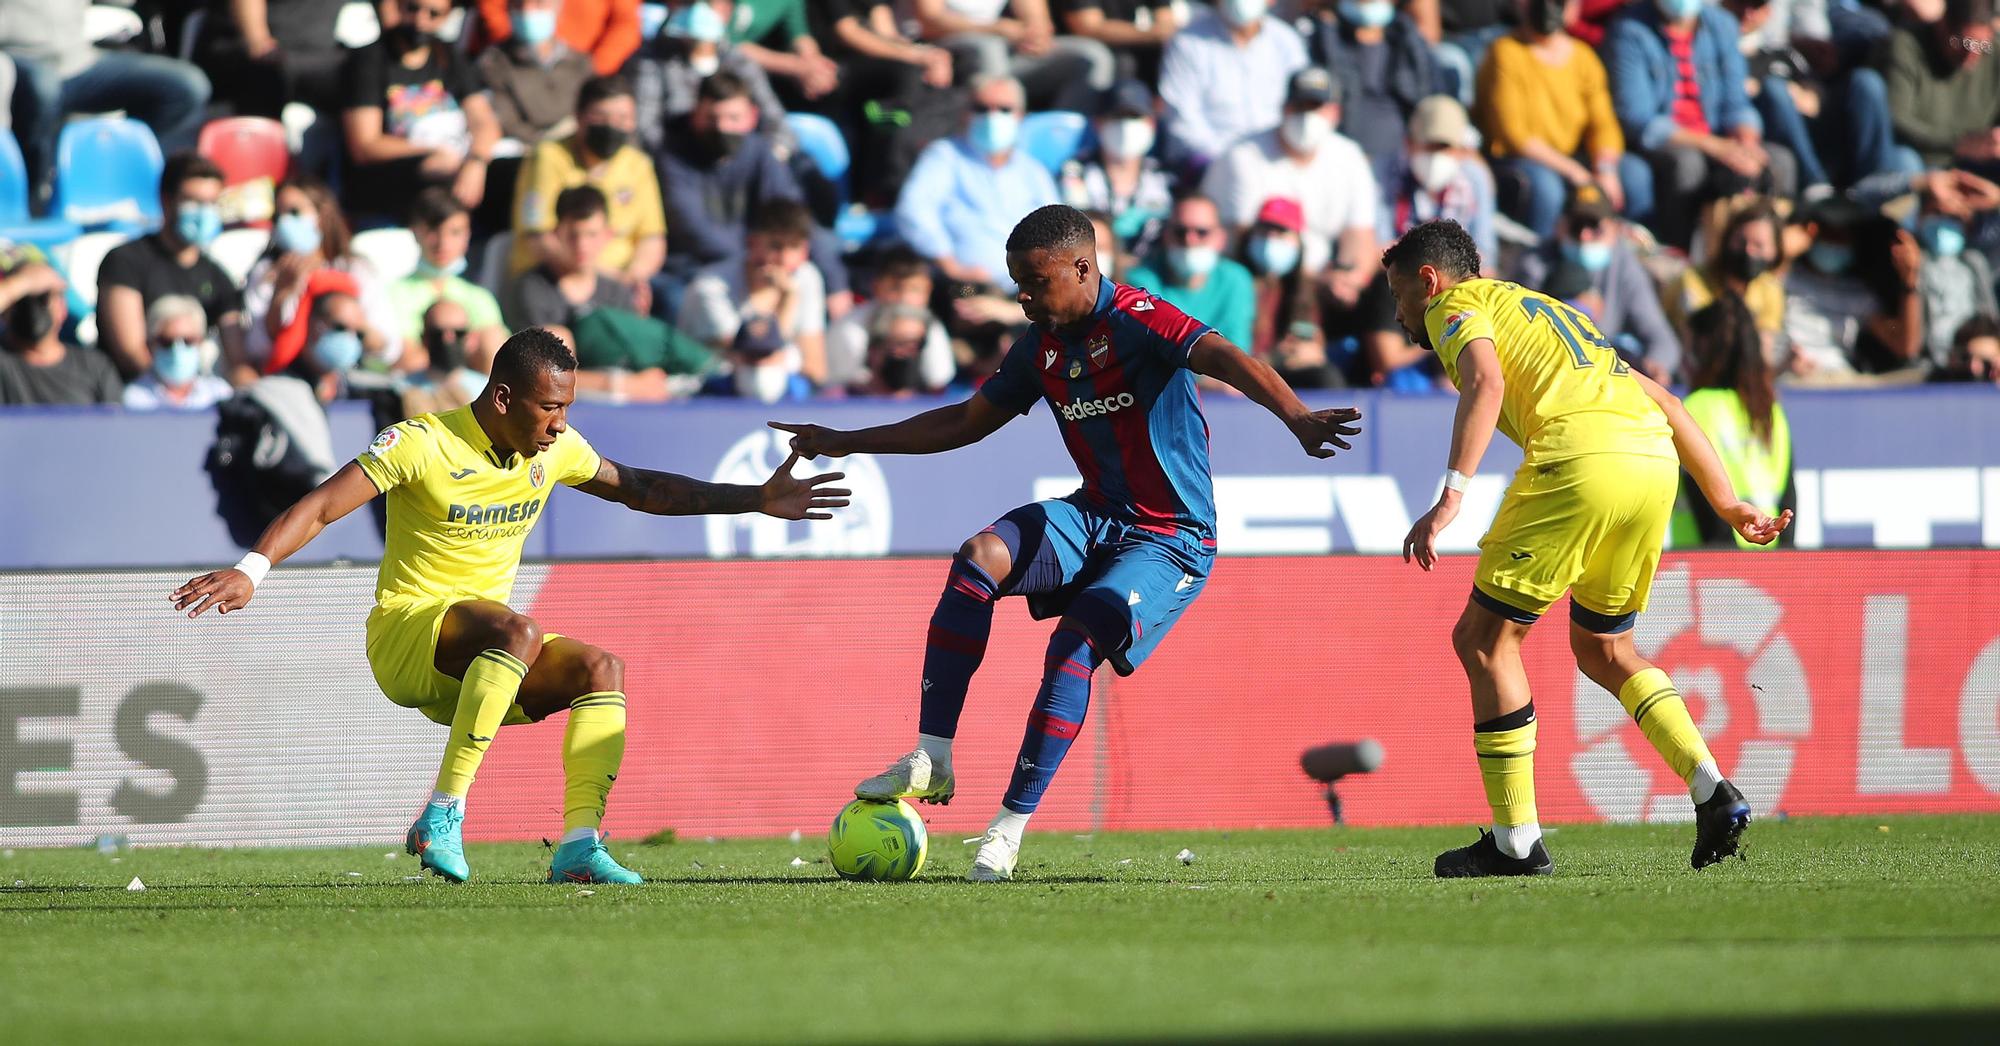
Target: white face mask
{"points": [[1126, 139], [1434, 170], [1306, 132], [767, 384], [705, 65], [1243, 12]]}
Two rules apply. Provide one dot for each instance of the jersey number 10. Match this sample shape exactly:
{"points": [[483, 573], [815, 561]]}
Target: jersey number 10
{"points": [[1576, 330]]}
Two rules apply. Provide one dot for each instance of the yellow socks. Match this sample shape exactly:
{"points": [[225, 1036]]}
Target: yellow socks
{"points": [[1506, 747], [593, 746], [484, 696], [1663, 717]]}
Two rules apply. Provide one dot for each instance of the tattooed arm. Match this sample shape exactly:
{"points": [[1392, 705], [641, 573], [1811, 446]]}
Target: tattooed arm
{"points": [[667, 494]]}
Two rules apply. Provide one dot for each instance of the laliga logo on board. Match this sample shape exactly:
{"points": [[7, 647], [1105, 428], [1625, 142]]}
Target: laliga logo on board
{"points": [[1614, 766], [861, 529]]}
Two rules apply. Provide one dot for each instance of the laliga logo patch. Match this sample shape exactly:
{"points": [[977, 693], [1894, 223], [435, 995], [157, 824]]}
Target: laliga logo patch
{"points": [[385, 440], [536, 475], [1455, 321], [1076, 368]]}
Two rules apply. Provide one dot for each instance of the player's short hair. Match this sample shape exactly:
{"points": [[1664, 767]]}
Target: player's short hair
{"points": [[721, 87], [580, 203], [901, 263], [599, 88], [1443, 245], [529, 353], [184, 167], [1056, 227], [784, 220], [434, 206]]}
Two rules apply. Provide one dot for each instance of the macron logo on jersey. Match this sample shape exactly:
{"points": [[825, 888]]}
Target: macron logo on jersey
{"points": [[1082, 409]]}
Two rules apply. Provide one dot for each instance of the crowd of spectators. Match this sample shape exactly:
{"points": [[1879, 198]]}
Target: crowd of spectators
{"points": [[656, 183]]}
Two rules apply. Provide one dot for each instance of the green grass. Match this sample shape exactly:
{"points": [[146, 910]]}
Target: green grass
{"points": [[1834, 930]]}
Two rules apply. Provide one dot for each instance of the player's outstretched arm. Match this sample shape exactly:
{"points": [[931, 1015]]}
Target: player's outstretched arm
{"points": [[932, 432], [1215, 357], [1698, 457], [1481, 387], [666, 494], [227, 590]]}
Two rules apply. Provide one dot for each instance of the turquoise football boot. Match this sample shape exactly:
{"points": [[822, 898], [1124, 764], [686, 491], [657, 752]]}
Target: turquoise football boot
{"points": [[587, 861], [436, 842]]}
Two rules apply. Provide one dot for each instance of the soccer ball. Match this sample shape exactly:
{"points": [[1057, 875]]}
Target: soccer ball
{"points": [[871, 840]]}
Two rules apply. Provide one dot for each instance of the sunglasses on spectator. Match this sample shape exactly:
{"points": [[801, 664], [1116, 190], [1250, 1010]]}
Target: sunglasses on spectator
{"points": [[1186, 233], [984, 109], [342, 328], [447, 335], [423, 9]]}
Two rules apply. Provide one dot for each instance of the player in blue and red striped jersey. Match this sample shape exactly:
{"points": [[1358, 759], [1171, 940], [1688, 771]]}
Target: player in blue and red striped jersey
{"points": [[1119, 560]]}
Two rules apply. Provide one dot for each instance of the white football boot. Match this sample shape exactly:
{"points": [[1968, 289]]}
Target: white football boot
{"points": [[913, 776], [994, 863]]}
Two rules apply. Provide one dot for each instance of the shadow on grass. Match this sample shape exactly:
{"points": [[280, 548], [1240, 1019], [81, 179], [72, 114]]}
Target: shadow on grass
{"points": [[1981, 1027]]}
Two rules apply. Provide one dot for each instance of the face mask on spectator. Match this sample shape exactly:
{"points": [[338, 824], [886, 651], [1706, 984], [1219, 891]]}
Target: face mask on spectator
{"points": [[176, 363], [1943, 237], [1593, 257], [1737, 261], [30, 319], [603, 140], [534, 27], [1675, 10], [1243, 12], [447, 347], [1307, 131], [1831, 258], [705, 65], [1126, 139], [1368, 14], [296, 233], [764, 384], [1192, 262], [1545, 16], [454, 267], [994, 133], [722, 144], [1434, 170], [1273, 256], [697, 22], [338, 350], [198, 223]]}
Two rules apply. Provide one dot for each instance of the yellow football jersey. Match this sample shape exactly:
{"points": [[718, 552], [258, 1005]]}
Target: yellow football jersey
{"points": [[1568, 393], [459, 510]]}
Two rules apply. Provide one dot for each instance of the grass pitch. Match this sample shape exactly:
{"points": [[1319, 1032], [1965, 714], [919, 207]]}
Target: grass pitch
{"points": [[1847, 930]]}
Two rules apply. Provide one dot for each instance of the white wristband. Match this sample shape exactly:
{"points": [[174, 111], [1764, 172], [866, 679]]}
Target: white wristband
{"points": [[1456, 480], [254, 566]]}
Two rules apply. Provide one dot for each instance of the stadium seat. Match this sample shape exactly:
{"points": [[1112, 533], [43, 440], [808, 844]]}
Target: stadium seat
{"points": [[393, 253], [82, 258], [191, 27], [237, 250], [820, 139], [15, 221], [357, 25], [108, 174], [254, 155], [1052, 138], [493, 264], [651, 18]]}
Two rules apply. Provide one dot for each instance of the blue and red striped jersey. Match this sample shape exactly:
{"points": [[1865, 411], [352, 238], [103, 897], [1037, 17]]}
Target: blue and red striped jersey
{"points": [[1122, 393]]}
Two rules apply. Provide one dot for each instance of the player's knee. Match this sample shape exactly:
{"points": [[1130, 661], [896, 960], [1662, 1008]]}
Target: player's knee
{"points": [[1472, 639], [988, 553], [603, 671], [518, 635]]}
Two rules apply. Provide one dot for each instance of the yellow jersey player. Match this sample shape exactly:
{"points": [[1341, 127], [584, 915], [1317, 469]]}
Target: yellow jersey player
{"points": [[465, 487], [1586, 515]]}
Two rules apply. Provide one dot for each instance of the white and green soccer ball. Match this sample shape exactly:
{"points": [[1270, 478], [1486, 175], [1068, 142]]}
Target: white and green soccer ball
{"points": [[878, 841]]}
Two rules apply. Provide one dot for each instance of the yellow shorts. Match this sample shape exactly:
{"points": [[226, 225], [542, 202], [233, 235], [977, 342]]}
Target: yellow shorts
{"points": [[402, 652], [1591, 526]]}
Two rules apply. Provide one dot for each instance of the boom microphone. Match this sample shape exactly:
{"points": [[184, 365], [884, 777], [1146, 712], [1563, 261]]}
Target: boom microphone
{"points": [[1330, 763]]}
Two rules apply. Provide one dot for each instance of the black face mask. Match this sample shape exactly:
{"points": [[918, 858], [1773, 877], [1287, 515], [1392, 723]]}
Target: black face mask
{"points": [[603, 139], [446, 353], [898, 373], [30, 320], [1545, 16], [1738, 262], [409, 37], [722, 144]]}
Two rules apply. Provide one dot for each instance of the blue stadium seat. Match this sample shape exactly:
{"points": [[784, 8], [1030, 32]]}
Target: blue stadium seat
{"points": [[1053, 137], [820, 139], [15, 222], [108, 174]]}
